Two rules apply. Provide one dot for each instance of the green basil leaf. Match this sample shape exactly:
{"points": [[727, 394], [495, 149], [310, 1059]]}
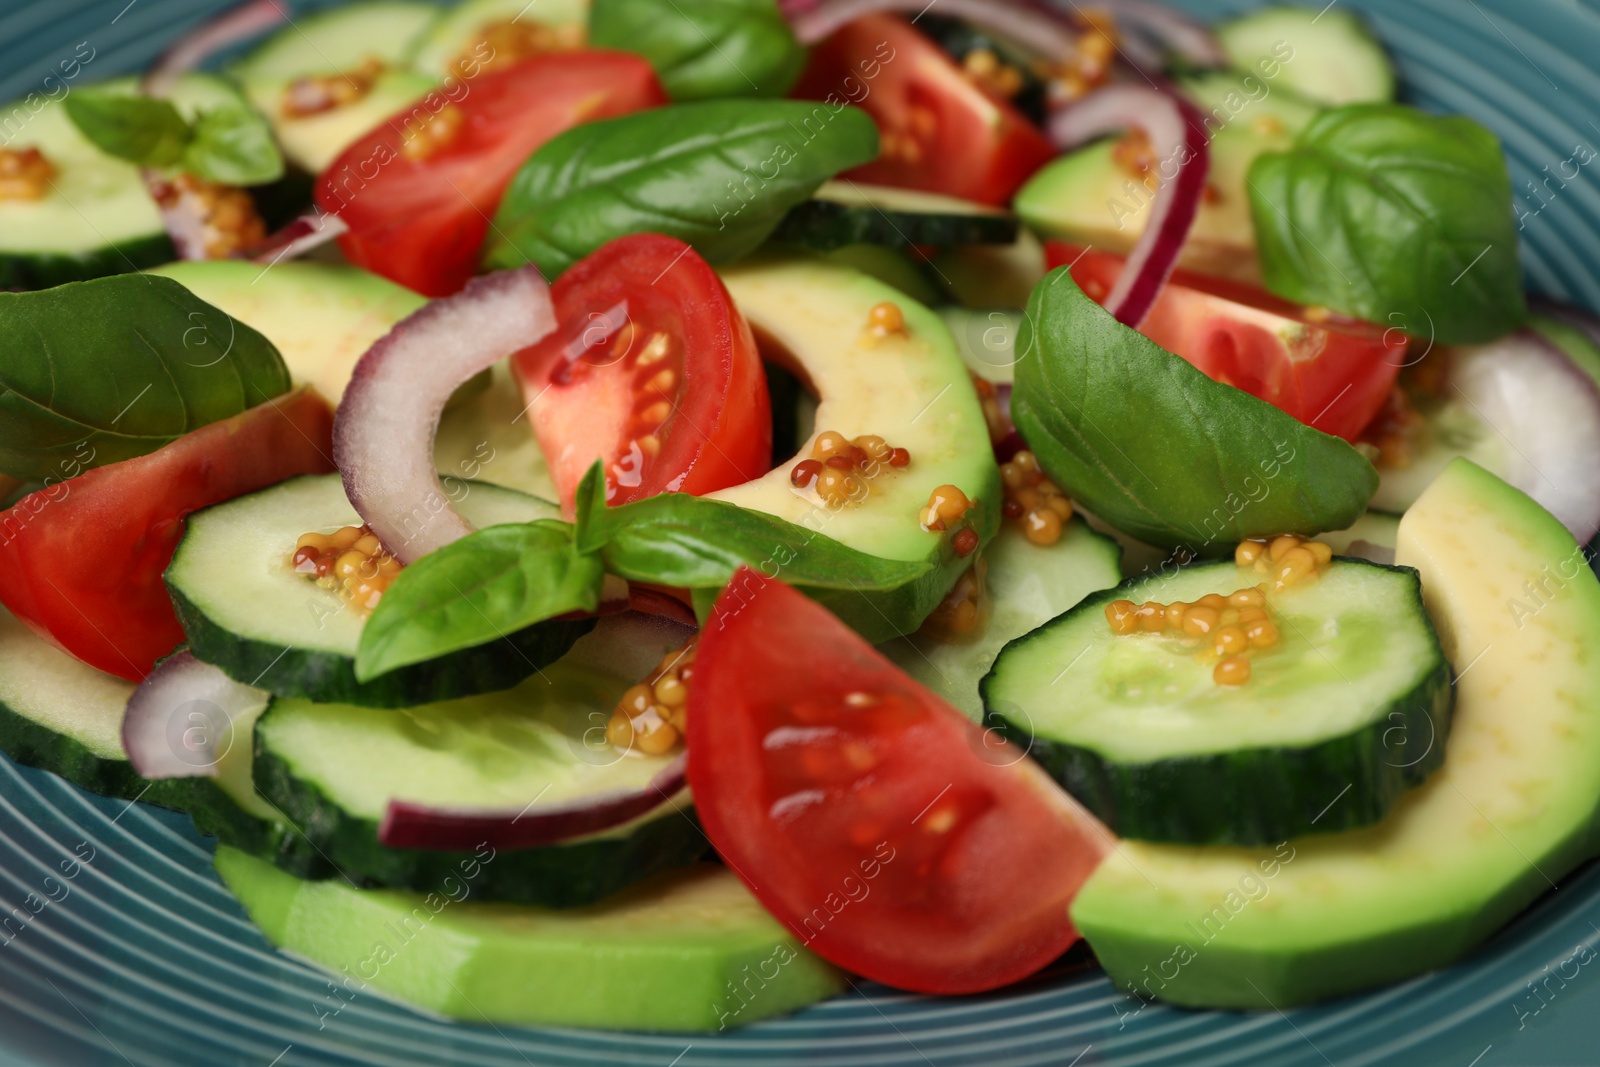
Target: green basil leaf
{"points": [[695, 543], [140, 129], [1395, 216], [479, 589], [235, 146], [105, 370], [719, 175], [703, 49], [1150, 444]]}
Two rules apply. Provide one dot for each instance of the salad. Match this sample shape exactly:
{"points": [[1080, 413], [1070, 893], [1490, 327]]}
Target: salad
{"points": [[636, 515]]}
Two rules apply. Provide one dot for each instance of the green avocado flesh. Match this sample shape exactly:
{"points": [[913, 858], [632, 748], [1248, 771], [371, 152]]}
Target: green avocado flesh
{"points": [[322, 317], [690, 951], [1087, 197], [912, 390], [1513, 807]]}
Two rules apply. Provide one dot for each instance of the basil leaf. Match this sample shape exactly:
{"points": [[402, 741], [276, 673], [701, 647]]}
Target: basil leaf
{"points": [[704, 48], [140, 129], [479, 589], [1395, 216], [696, 543], [719, 175], [235, 146], [1150, 444], [118, 367]]}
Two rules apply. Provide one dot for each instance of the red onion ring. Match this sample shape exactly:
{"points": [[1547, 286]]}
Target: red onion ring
{"points": [[1176, 133], [1045, 30], [384, 430], [409, 825], [1153, 29], [199, 44], [180, 721], [296, 238]]}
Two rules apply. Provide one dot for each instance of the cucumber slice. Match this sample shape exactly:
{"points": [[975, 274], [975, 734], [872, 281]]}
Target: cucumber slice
{"points": [[542, 742], [1325, 55], [690, 951], [461, 28], [1354, 703], [328, 44], [899, 267], [847, 213], [1371, 537], [1028, 585], [246, 612], [993, 276], [986, 339]]}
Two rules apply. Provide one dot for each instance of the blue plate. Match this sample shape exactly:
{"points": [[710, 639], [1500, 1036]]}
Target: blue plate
{"points": [[148, 960]]}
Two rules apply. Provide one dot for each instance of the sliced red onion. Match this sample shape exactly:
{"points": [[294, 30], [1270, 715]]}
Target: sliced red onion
{"points": [[182, 216], [1178, 137], [210, 37], [384, 431], [408, 825], [1154, 31], [296, 238], [185, 717], [1045, 30], [1546, 412]]}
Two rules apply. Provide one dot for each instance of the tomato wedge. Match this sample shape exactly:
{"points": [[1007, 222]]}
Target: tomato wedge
{"points": [[1329, 371], [81, 561], [893, 836], [418, 191], [653, 371], [940, 132]]}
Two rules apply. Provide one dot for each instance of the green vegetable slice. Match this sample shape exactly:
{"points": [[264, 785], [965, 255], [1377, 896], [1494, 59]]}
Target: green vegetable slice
{"points": [[704, 49], [1395, 216], [1154, 447], [719, 175], [105, 370]]}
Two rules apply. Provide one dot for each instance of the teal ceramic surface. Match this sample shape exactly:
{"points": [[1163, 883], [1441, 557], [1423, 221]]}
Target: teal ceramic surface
{"points": [[149, 961]]}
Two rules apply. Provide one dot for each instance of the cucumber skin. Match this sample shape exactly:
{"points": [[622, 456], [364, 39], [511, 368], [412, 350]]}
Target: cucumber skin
{"points": [[46, 270], [330, 678], [215, 813], [1258, 796], [826, 225], [558, 876]]}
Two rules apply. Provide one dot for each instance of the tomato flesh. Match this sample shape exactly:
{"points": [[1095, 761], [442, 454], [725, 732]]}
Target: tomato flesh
{"points": [[81, 561], [893, 836], [940, 132], [652, 371], [1330, 372], [419, 190]]}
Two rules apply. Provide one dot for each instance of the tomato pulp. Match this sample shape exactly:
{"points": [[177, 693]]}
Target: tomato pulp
{"points": [[81, 561], [892, 836], [940, 132], [1330, 372], [418, 191], [652, 371]]}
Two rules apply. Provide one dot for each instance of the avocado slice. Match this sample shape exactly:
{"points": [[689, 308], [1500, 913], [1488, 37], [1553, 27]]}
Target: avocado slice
{"points": [[692, 951], [1514, 807], [1087, 198], [911, 389]]}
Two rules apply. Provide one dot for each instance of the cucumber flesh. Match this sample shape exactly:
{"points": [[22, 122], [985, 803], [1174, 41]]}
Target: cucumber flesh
{"points": [[690, 951], [845, 213], [1028, 585], [1371, 537], [543, 742], [1512, 812], [993, 276], [900, 267], [1328, 56], [986, 339], [1356, 694], [245, 611]]}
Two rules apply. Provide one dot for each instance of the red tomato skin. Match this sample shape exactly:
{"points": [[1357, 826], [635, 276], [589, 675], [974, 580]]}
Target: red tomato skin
{"points": [[910, 846], [81, 562], [1336, 375], [979, 148], [721, 434], [422, 222]]}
